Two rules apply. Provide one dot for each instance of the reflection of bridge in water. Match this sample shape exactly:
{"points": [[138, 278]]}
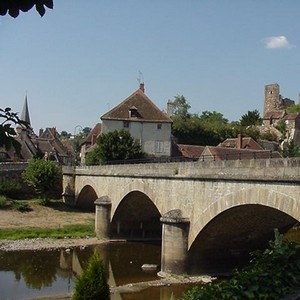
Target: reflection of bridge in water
{"points": [[122, 262], [202, 211]]}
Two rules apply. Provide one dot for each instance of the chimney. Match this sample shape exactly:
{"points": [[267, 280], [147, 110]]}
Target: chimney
{"points": [[170, 108], [142, 87], [239, 141], [41, 131]]}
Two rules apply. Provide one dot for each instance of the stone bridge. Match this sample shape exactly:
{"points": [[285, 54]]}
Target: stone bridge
{"points": [[204, 212]]}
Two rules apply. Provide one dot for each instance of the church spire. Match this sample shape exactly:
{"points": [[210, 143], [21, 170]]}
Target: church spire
{"points": [[25, 112]]}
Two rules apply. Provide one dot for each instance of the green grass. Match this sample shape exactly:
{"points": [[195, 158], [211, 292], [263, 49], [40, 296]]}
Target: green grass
{"points": [[71, 231]]}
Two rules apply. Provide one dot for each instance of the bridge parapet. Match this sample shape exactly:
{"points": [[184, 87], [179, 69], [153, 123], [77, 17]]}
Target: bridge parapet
{"points": [[282, 169]]}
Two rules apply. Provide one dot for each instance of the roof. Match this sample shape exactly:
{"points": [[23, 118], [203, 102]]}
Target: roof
{"points": [[147, 111], [292, 116], [188, 151], [25, 112], [247, 143], [221, 153], [93, 133], [279, 114]]}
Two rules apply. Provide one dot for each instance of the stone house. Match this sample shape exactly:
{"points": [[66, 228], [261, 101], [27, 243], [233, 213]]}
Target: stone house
{"points": [[145, 122], [46, 144], [275, 110]]}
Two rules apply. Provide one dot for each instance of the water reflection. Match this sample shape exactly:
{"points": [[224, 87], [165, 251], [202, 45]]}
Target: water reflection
{"points": [[28, 274]]}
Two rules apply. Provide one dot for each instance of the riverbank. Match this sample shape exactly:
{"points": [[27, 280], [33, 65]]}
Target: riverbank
{"points": [[47, 244]]}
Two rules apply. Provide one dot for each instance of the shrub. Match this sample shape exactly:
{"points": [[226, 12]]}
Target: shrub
{"points": [[3, 202], [44, 176], [10, 188], [92, 283], [272, 274], [21, 206]]}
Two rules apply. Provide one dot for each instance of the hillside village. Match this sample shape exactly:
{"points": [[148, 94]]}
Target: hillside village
{"points": [[152, 127]]}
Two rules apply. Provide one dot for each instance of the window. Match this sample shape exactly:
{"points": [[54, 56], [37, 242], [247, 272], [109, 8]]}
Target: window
{"points": [[159, 146], [126, 124], [159, 125], [133, 113]]}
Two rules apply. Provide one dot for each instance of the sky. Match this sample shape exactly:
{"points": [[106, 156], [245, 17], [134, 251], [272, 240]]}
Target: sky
{"points": [[84, 57]]}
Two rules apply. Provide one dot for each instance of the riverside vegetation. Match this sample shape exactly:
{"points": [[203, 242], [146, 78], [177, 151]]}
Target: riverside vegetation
{"points": [[272, 274]]}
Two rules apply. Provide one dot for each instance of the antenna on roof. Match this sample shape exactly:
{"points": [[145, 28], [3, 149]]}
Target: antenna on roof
{"points": [[140, 78]]}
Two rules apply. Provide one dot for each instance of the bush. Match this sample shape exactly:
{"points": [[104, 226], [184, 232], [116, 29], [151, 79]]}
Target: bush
{"points": [[44, 176], [21, 206], [92, 283], [10, 188], [3, 202], [272, 274]]}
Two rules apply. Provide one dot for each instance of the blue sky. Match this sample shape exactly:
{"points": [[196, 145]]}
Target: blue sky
{"points": [[84, 57]]}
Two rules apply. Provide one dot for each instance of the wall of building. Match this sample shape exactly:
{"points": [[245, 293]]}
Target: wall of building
{"points": [[154, 141]]}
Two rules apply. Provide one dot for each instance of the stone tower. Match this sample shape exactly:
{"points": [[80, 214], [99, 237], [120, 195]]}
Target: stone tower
{"points": [[273, 101]]}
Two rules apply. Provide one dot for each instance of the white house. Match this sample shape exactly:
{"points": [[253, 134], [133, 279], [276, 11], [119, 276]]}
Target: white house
{"points": [[145, 122]]}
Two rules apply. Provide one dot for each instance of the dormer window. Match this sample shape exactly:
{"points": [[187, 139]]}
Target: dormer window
{"points": [[133, 112]]}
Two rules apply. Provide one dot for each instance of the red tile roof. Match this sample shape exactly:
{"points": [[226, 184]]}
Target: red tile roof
{"points": [[220, 153], [247, 143], [93, 134], [188, 151]]}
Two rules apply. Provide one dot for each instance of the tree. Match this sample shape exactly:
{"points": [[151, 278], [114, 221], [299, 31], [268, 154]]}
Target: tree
{"points": [[180, 107], [251, 118], [7, 133], [213, 117], [115, 145], [293, 109], [92, 283], [44, 176], [13, 7], [65, 134], [291, 150], [86, 131]]}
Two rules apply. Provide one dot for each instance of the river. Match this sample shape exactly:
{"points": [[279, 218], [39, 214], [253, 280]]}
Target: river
{"points": [[33, 274]]}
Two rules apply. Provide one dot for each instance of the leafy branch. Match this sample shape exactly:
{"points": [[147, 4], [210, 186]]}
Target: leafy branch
{"points": [[7, 132], [13, 7]]}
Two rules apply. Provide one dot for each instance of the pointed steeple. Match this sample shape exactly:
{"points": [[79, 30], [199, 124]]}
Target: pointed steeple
{"points": [[25, 112]]}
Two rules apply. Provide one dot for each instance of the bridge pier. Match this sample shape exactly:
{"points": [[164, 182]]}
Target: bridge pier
{"points": [[102, 218], [175, 230]]}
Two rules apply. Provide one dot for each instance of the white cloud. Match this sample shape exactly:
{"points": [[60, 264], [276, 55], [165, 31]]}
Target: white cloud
{"points": [[274, 42]]}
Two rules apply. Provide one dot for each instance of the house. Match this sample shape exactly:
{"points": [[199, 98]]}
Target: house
{"points": [[47, 144], [188, 152], [145, 122], [90, 142], [275, 111], [223, 153], [241, 143]]}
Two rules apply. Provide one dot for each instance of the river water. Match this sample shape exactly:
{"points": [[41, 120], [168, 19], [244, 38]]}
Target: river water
{"points": [[32, 274]]}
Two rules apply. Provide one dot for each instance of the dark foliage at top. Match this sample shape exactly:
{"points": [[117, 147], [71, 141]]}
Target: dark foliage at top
{"points": [[13, 7]]}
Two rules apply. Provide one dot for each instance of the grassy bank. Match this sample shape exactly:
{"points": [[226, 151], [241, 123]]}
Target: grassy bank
{"points": [[21, 219], [70, 231]]}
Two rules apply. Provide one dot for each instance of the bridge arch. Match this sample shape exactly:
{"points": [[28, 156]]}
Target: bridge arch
{"points": [[227, 240], [86, 198], [136, 217], [259, 196]]}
